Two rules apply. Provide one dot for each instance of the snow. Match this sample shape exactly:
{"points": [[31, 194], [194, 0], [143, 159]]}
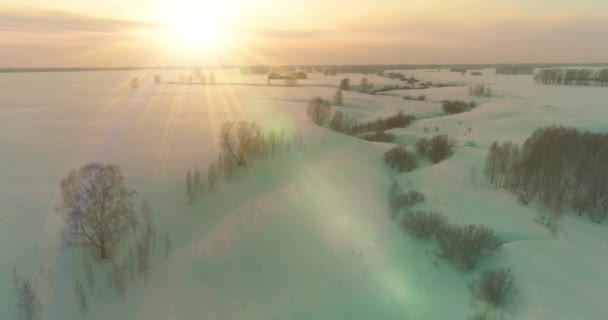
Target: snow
{"points": [[305, 235]]}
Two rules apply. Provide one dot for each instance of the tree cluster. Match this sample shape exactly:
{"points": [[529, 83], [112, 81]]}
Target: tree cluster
{"points": [[319, 110], [241, 144], [480, 90], [345, 84], [557, 165], [457, 106], [462, 246], [581, 77], [365, 86], [460, 70]]}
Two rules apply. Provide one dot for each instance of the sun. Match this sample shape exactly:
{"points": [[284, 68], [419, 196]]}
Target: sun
{"points": [[197, 32]]}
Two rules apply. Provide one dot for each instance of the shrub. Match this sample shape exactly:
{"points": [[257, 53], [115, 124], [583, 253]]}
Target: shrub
{"points": [[485, 315], [478, 90], [422, 146], [396, 201], [463, 246], [414, 197], [398, 120], [457, 106], [494, 287], [418, 98], [424, 224], [398, 158], [440, 148], [378, 136]]}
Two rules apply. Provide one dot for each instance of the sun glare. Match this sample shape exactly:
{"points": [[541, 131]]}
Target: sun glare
{"points": [[196, 32]]}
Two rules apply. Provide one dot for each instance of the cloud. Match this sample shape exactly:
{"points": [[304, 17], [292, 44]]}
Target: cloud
{"points": [[41, 20]]}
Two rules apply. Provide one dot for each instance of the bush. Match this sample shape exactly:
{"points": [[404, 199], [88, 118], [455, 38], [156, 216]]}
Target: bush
{"points": [[478, 90], [463, 246], [494, 287], [422, 146], [440, 148], [398, 158], [398, 199], [378, 136], [418, 98], [413, 197], [457, 106], [423, 224], [398, 120]]}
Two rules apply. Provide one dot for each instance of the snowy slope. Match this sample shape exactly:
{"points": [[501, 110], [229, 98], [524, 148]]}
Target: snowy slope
{"points": [[306, 235]]}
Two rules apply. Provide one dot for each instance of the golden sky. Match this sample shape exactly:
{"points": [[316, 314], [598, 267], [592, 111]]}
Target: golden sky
{"points": [[112, 33]]}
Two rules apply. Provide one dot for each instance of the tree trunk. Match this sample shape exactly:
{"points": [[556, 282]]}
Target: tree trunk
{"points": [[102, 249]]}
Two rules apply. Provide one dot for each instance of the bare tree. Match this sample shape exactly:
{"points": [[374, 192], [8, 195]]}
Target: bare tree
{"points": [[189, 187], [82, 298], [197, 185], [212, 177], [28, 305], [118, 278], [97, 207], [168, 244], [157, 79], [90, 276]]}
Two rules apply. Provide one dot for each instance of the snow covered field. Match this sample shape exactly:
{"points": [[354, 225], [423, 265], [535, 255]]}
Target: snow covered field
{"points": [[307, 235]]}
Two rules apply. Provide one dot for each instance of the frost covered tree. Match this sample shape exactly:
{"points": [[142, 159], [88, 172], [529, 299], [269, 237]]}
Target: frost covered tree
{"points": [[97, 207], [157, 79]]}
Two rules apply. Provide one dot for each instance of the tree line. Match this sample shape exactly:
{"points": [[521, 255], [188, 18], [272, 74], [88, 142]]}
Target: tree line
{"points": [[581, 77], [560, 166], [515, 69]]}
